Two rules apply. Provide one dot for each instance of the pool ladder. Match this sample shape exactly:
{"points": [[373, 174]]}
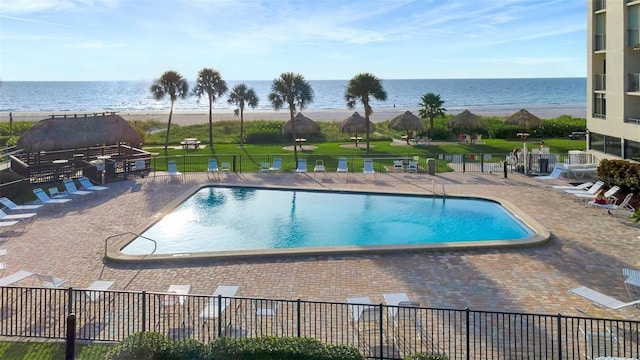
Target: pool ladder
{"points": [[433, 189], [106, 241]]}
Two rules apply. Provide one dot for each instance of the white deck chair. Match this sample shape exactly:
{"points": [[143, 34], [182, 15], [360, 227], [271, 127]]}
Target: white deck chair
{"points": [[632, 283], [398, 166], [601, 299], [413, 167], [266, 311], [277, 165], [73, 190], [592, 190], [583, 186], [15, 207], [302, 166], [555, 173], [264, 167], [48, 281], [27, 217], [319, 167], [88, 185], [172, 169], [368, 168], [225, 166], [212, 168], [624, 205], [343, 166], [215, 307], [608, 194]]}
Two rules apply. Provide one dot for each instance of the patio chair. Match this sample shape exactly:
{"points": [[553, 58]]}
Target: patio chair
{"points": [[366, 324], [72, 190], [600, 299], [264, 167], [218, 303], [413, 167], [26, 217], [368, 168], [404, 316], [225, 166], [319, 167], [624, 205], [56, 194], [555, 173], [302, 166], [8, 225], [212, 168], [46, 200], [591, 191], [266, 311], [600, 344], [398, 166], [277, 165], [583, 186], [608, 194], [88, 185], [15, 207], [172, 170], [632, 283]]}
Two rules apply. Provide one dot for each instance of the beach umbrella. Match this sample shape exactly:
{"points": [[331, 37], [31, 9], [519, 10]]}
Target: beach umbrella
{"points": [[78, 132], [304, 126], [355, 124], [523, 119], [408, 122], [465, 120]]}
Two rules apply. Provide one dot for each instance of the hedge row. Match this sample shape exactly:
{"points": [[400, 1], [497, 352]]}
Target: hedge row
{"points": [[621, 173], [155, 346]]}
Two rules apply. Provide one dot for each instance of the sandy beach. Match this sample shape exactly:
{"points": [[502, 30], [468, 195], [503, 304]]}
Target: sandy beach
{"points": [[182, 117]]}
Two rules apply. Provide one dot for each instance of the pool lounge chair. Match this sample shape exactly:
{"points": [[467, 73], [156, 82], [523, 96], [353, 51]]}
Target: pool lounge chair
{"points": [[405, 318], [632, 283], [592, 190], [319, 167], [413, 167], [6, 202], [88, 185], [264, 167], [624, 205], [342, 166], [368, 169], [600, 299], [266, 319], [27, 217], [8, 225], [214, 307], [555, 173], [48, 281], [46, 200], [56, 194], [72, 190], [302, 166], [212, 168], [172, 170], [582, 186], [277, 165], [366, 326], [609, 195]]}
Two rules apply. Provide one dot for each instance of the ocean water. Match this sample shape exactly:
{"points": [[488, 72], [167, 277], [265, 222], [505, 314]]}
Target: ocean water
{"points": [[121, 96]]}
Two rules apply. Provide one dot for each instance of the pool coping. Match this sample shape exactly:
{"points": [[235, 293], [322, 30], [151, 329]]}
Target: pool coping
{"points": [[112, 250]]}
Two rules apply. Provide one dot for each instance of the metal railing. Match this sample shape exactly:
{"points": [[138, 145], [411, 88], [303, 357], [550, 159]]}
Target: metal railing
{"points": [[634, 83], [600, 83], [599, 42], [378, 331]]}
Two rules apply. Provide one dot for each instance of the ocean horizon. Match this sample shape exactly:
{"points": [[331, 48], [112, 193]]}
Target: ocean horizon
{"points": [[135, 96]]}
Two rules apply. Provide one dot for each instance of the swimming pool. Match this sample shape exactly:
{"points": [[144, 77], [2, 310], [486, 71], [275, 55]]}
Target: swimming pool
{"points": [[240, 220]]}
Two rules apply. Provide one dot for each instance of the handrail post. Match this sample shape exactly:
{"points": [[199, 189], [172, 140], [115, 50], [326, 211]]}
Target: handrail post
{"points": [[69, 300], [219, 310], [299, 315], [144, 311], [559, 336], [71, 337], [468, 330]]}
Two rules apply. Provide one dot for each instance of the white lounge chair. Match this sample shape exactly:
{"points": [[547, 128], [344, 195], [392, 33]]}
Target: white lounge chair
{"points": [[264, 167], [591, 191], [212, 168], [27, 217], [413, 167], [302, 166], [368, 168], [403, 311], [398, 166], [319, 167], [72, 190], [88, 185], [599, 344], [15, 277], [632, 282], [583, 186], [225, 166], [608, 194], [366, 323], [624, 205], [15, 207], [172, 170], [215, 308], [46, 200], [277, 165], [48, 281], [265, 311], [555, 173], [7, 225], [601, 299]]}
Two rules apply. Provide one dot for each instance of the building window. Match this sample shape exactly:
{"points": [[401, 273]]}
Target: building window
{"points": [[599, 105], [632, 150], [607, 144], [600, 39], [596, 141], [634, 25], [599, 5]]}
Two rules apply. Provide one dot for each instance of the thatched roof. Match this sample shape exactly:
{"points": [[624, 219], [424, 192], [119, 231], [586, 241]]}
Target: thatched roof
{"points": [[304, 125], [408, 122], [524, 119], [465, 120], [77, 132], [356, 123]]}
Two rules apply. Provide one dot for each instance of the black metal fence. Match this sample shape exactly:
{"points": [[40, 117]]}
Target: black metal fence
{"points": [[378, 331]]}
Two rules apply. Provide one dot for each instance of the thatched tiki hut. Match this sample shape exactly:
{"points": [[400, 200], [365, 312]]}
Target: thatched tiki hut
{"points": [[356, 123], [524, 120], [408, 122], [60, 133], [465, 120], [304, 126]]}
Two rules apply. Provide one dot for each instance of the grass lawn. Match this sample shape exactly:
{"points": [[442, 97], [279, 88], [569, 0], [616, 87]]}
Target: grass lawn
{"points": [[49, 350]]}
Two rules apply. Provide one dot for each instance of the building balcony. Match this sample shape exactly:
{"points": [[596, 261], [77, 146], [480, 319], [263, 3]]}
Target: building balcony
{"points": [[600, 42], [600, 82], [634, 83]]}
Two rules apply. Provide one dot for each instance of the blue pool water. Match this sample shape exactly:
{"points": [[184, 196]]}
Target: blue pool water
{"points": [[232, 219]]}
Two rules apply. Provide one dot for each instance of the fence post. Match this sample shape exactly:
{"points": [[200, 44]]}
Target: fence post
{"points": [[70, 300], [233, 168], [381, 343], [144, 311], [71, 337], [559, 336], [219, 310], [464, 164], [299, 316], [468, 330], [482, 162], [505, 165]]}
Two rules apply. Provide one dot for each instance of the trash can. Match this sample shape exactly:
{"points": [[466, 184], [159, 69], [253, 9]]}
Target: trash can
{"points": [[431, 166]]}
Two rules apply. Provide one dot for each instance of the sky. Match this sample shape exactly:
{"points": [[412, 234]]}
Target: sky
{"points": [[90, 40]]}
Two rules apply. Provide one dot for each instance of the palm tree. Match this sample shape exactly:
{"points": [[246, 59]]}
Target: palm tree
{"points": [[210, 83], [431, 109], [362, 87], [241, 96], [173, 84], [292, 90]]}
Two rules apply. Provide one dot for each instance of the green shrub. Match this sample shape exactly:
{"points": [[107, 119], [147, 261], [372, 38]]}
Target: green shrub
{"points": [[186, 349], [276, 348], [265, 132], [142, 346], [621, 173], [427, 357]]}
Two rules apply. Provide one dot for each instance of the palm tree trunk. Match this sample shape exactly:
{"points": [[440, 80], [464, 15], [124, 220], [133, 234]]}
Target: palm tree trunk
{"points": [[166, 140], [211, 124], [241, 125], [293, 131]]}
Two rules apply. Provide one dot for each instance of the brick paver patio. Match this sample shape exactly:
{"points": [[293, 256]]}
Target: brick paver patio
{"points": [[588, 247]]}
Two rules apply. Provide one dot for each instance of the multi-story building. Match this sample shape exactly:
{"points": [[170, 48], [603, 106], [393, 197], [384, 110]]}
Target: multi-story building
{"points": [[613, 79]]}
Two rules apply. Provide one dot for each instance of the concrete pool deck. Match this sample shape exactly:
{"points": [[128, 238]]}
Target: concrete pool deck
{"points": [[587, 248]]}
